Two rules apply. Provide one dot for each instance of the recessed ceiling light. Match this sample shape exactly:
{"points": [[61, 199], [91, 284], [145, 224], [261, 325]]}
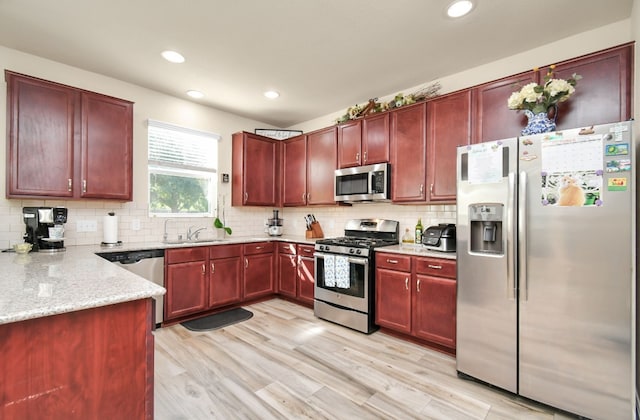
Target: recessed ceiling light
{"points": [[173, 56], [459, 8], [271, 94], [195, 94]]}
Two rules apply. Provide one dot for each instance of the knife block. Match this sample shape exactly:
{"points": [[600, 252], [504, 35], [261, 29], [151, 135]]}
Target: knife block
{"points": [[315, 231]]}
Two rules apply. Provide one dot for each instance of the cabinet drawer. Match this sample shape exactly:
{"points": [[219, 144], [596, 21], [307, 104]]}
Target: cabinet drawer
{"points": [[225, 251], [393, 261], [436, 267], [259, 248], [286, 248], [306, 250], [181, 255]]}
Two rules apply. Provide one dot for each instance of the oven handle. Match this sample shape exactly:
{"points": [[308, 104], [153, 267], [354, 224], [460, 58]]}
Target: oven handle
{"points": [[354, 260]]}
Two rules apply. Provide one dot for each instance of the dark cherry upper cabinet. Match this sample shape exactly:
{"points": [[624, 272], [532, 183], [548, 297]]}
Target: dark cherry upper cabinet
{"points": [[65, 142], [321, 165], [492, 119], [350, 144], [408, 146], [375, 139], [294, 171], [106, 141], [255, 166], [603, 95], [448, 126]]}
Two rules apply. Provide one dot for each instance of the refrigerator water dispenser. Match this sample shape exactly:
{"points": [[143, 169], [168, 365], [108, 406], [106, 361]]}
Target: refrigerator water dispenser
{"points": [[486, 228]]}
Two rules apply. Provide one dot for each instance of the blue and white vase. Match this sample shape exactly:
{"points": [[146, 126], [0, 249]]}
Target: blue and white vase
{"points": [[538, 123]]}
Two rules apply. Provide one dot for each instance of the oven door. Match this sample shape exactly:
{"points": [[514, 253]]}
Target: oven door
{"points": [[356, 296]]}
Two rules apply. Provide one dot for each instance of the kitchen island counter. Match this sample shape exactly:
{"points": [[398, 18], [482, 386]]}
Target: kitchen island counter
{"points": [[39, 284]]}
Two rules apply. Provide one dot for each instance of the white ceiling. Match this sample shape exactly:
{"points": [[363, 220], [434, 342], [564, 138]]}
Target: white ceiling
{"points": [[321, 55]]}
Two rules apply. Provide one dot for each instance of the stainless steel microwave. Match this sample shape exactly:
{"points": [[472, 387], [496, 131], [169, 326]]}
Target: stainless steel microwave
{"points": [[363, 183]]}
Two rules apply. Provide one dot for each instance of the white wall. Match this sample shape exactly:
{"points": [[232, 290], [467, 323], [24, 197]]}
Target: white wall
{"points": [[247, 221]]}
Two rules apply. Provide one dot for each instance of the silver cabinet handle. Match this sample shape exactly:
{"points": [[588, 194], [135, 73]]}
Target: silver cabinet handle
{"points": [[246, 196], [84, 185], [392, 261], [435, 267], [364, 156], [69, 184], [431, 188], [204, 269], [421, 188], [304, 196], [213, 268], [308, 197], [406, 283], [307, 250], [246, 263], [418, 285], [358, 157], [259, 247]]}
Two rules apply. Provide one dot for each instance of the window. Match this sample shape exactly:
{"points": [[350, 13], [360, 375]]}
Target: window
{"points": [[182, 170]]}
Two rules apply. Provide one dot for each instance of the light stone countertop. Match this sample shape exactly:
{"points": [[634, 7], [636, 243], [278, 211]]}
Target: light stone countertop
{"points": [[417, 250], [41, 284]]}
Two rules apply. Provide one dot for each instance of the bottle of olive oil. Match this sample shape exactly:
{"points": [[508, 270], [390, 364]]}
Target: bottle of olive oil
{"points": [[419, 232]]}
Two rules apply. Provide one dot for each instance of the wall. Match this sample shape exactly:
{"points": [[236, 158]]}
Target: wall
{"points": [[244, 221]]}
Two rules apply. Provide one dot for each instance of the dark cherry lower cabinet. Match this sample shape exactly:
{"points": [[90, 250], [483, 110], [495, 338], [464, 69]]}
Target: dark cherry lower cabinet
{"points": [[90, 364], [186, 281], [287, 269], [259, 270], [225, 268], [416, 296], [305, 274]]}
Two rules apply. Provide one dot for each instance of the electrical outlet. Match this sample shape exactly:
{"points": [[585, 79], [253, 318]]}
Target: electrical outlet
{"points": [[135, 224], [86, 225]]}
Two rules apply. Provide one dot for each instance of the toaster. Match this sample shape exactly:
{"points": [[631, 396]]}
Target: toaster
{"points": [[440, 238]]}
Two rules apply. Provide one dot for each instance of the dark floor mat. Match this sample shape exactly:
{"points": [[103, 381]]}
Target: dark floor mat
{"points": [[219, 320]]}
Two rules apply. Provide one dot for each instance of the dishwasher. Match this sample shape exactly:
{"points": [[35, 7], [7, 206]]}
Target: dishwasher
{"points": [[148, 264]]}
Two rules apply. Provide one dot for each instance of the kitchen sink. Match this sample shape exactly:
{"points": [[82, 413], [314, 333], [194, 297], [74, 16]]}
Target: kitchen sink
{"points": [[192, 241]]}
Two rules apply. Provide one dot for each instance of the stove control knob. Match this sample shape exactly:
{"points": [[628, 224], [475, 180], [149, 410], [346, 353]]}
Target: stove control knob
{"points": [[359, 251], [351, 251]]}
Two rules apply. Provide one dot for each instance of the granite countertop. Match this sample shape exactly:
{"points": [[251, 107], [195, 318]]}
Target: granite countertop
{"points": [[417, 250], [41, 284]]}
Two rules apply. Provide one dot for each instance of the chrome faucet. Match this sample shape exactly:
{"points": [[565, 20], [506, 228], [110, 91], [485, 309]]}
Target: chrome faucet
{"points": [[193, 234], [165, 236]]}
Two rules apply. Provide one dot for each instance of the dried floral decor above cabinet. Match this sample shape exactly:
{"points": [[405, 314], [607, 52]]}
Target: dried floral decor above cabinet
{"points": [[65, 142]]}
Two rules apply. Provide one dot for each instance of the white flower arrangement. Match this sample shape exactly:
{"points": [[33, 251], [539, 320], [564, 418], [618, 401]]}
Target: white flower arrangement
{"points": [[539, 98]]}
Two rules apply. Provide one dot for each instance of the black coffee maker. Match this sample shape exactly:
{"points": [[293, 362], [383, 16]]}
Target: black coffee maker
{"points": [[38, 221]]}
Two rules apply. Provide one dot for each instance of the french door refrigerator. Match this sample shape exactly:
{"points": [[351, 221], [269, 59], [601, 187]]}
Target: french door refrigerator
{"points": [[546, 300]]}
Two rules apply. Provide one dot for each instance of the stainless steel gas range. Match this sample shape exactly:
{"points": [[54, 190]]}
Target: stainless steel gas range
{"points": [[345, 269]]}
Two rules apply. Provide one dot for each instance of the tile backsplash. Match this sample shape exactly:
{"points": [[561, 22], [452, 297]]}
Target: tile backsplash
{"points": [[135, 225]]}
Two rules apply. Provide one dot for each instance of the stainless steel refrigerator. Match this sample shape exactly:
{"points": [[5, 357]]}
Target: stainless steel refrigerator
{"points": [[546, 251]]}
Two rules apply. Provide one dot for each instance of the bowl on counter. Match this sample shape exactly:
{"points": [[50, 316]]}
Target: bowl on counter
{"points": [[22, 248]]}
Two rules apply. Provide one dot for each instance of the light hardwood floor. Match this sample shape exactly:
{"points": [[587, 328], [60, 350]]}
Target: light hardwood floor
{"points": [[285, 363]]}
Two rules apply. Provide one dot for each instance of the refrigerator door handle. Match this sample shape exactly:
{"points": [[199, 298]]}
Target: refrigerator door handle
{"points": [[511, 238], [522, 236]]}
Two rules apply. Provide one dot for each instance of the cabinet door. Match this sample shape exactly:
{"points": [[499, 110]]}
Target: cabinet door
{"points": [[434, 313], [492, 119], [258, 275], [393, 300], [448, 126], [350, 144], [287, 274], [375, 139], [260, 157], [41, 124], [295, 172], [306, 284], [225, 281], [408, 147], [186, 285], [107, 140], [603, 95], [321, 166]]}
